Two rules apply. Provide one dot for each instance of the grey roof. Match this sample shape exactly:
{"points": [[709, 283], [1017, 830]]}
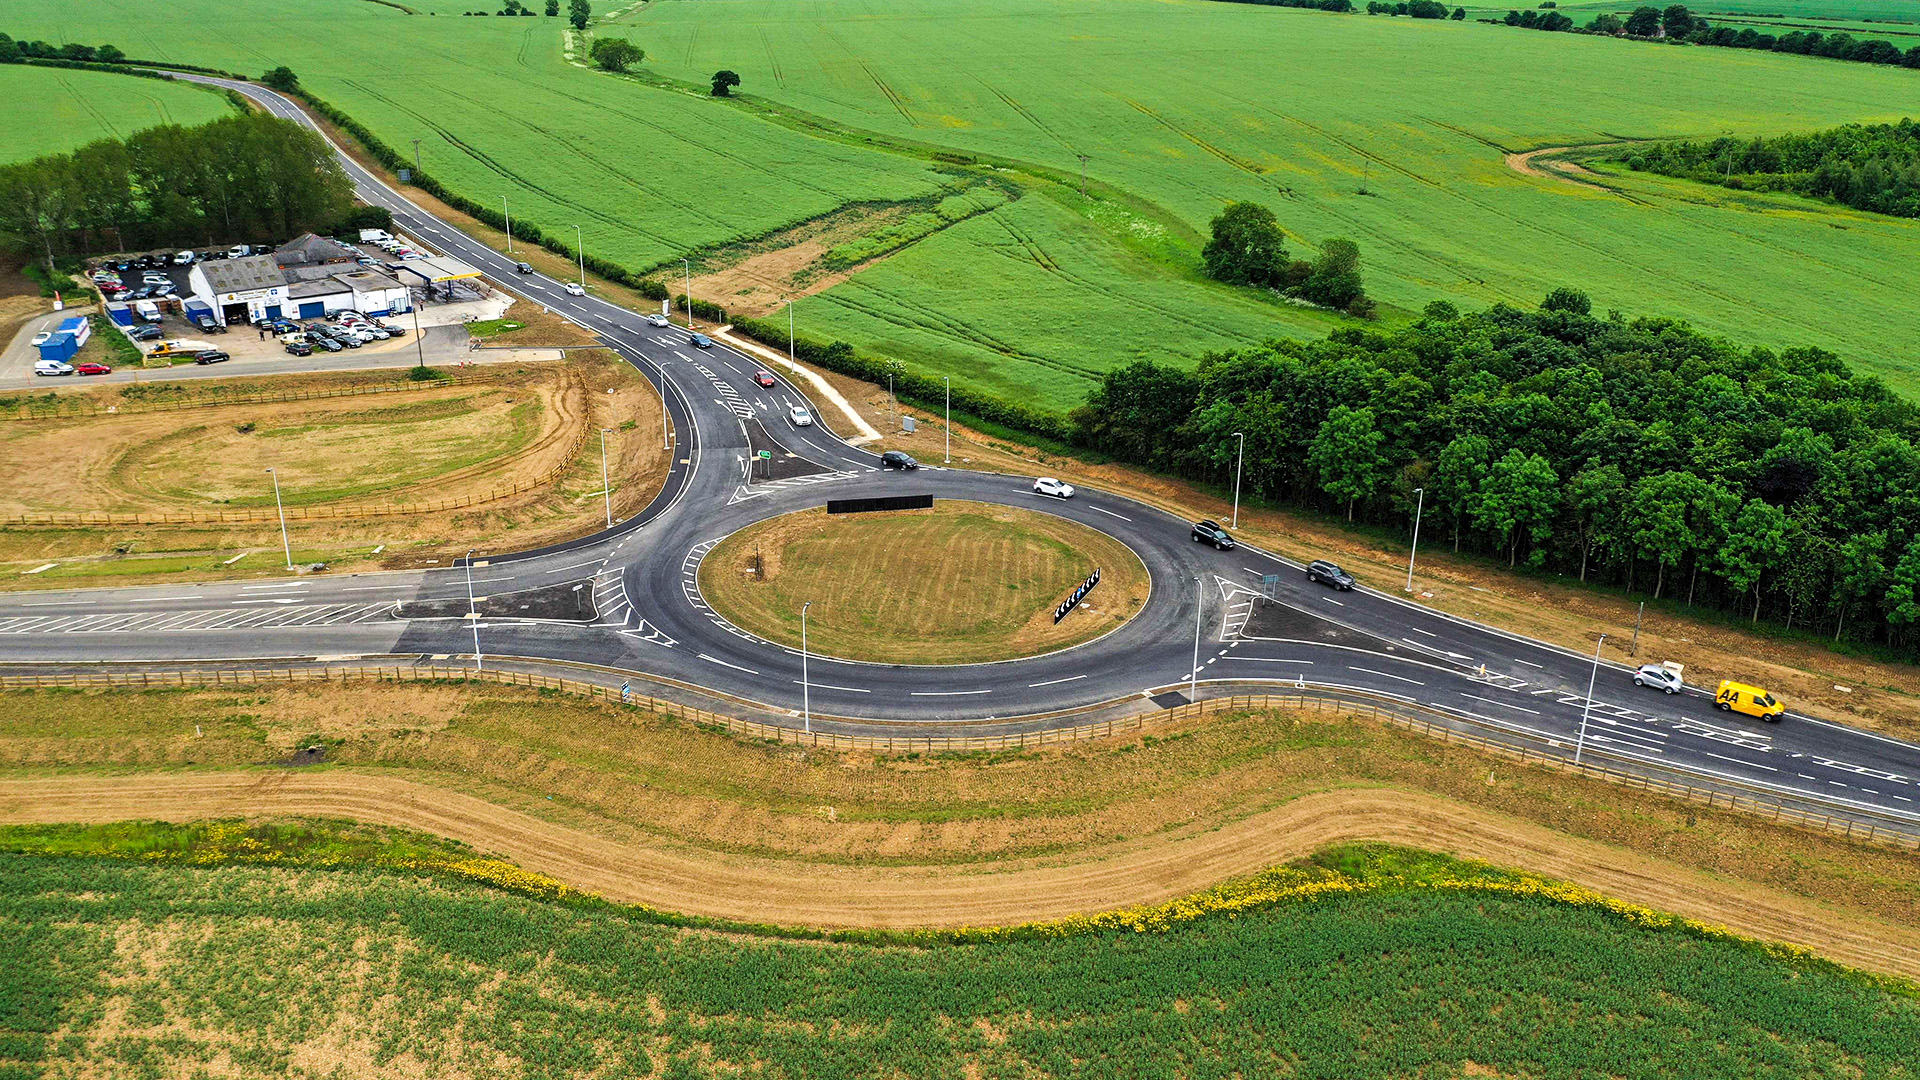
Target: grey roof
{"points": [[242, 275], [369, 280], [309, 273], [307, 290], [308, 248]]}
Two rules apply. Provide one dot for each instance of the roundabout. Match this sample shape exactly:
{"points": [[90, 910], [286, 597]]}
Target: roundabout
{"points": [[965, 582]]}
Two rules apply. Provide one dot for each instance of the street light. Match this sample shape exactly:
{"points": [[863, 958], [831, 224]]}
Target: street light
{"points": [[282, 510], [1417, 508], [789, 329], [686, 267], [806, 699], [948, 380], [606, 488], [473, 613], [509, 216], [1199, 606], [1580, 744], [580, 249], [1239, 458]]}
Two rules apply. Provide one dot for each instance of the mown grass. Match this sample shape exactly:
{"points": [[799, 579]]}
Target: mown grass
{"points": [[1401, 963]]}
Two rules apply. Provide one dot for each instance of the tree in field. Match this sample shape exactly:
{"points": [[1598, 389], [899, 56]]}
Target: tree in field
{"points": [[1347, 456], [1596, 498], [1459, 14], [1644, 22], [614, 54], [1676, 21], [553, 8], [723, 82], [1606, 23], [1517, 501], [282, 79], [1247, 248], [579, 12], [1335, 281], [1858, 572], [1903, 593], [109, 54], [1756, 544], [1572, 301]]}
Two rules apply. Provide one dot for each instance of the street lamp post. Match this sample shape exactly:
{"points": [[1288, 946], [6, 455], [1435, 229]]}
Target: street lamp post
{"points": [[473, 612], [1199, 607], [806, 698], [282, 510], [606, 488], [580, 249], [1240, 457], [948, 380], [1580, 744], [1415, 549], [686, 267], [508, 214], [789, 329]]}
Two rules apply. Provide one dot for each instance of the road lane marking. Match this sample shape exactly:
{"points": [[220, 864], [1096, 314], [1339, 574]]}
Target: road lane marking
{"points": [[277, 600], [1332, 601], [1529, 663], [830, 686], [371, 588], [268, 588], [61, 603], [946, 693], [1384, 675], [1271, 660], [723, 663], [1056, 682], [1109, 513], [1417, 630], [1502, 704], [161, 599]]}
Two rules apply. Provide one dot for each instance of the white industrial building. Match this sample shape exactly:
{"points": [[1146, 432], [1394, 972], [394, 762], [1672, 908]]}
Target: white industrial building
{"points": [[240, 290], [309, 278]]}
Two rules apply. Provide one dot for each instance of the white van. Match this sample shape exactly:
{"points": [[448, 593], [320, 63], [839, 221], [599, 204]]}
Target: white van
{"points": [[239, 251], [147, 310], [52, 367], [375, 236], [185, 258]]}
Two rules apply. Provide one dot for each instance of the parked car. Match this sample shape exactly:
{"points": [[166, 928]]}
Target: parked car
{"points": [[522, 268], [1750, 700], [1058, 489], [1210, 532], [91, 368], [392, 329], [325, 344], [1326, 573], [800, 416], [42, 338], [701, 341], [146, 332], [298, 348], [656, 319], [185, 258], [115, 292], [1658, 676], [102, 276], [574, 288], [207, 323], [239, 251], [764, 377], [894, 459], [210, 356], [52, 367], [165, 288]]}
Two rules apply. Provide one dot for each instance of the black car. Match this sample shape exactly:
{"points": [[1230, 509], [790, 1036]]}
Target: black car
{"points": [[894, 459], [210, 356], [1210, 532], [523, 268], [143, 332], [1328, 574], [299, 348], [324, 343]]}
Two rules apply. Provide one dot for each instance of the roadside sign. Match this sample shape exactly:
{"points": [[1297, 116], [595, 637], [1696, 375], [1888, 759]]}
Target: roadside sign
{"points": [[666, 307], [764, 454], [626, 691], [906, 424], [406, 176]]}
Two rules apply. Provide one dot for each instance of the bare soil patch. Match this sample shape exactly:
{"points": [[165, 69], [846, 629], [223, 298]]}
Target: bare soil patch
{"points": [[757, 279], [961, 583]]}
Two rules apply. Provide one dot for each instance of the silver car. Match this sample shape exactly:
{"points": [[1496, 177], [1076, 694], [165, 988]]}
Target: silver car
{"points": [[1659, 677], [800, 416]]}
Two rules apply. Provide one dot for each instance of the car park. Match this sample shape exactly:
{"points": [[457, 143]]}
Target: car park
{"points": [[522, 268], [1058, 489], [1659, 676], [1330, 575], [894, 459], [51, 367], [210, 356], [91, 368], [1749, 700], [763, 377], [701, 341], [1210, 532], [800, 416], [657, 319], [574, 288]]}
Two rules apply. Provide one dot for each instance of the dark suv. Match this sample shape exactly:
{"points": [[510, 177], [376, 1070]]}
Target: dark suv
{"points": [[894, 459], [1210, 532], [1328, 574]]}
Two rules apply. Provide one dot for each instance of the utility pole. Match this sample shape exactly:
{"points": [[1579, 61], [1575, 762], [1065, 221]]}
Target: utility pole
{"points": [[1634, 649], [789, 329], [416, 161], [1239, 458], [282, 510], [606, 488], [580, 249], [806, 698], [1580, 744], [508, 214], [473, 612], [686, 267], [1415, 549], [948, 380]]}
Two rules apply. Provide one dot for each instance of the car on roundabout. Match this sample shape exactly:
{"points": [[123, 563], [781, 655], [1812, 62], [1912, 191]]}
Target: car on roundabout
{"points": [[894, 459], [763, 377], [1209, 532], [657, 319], [574, 288], [1659, 677], [701, 341], [522, 268], [1052, 488], [800, 416], [1330, 575]]}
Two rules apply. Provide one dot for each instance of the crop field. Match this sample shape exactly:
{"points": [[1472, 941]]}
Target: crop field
{"points": [[56, 109], [1366, 962]]}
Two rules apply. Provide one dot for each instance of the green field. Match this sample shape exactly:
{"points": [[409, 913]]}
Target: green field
{"points": [[1179, 105], [158, 968], [55, 109]]}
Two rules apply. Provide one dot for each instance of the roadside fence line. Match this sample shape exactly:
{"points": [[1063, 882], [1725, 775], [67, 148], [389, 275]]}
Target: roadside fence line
{"points": [[1407, 718], [66, 407]]}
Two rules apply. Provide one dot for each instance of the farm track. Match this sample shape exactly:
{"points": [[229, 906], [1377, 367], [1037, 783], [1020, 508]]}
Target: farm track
{"points": [[1153, 869]]}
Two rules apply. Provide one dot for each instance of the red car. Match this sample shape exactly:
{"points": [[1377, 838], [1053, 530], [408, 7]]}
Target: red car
{"points": [[92, 369], [763, 378]]}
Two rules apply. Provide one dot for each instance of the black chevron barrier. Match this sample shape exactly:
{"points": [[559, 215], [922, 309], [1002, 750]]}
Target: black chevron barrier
{"points": [[1078, 594]]}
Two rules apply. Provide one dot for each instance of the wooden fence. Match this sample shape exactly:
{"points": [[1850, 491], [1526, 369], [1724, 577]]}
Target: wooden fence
{"points": [[72, 406], [1409, 718]]}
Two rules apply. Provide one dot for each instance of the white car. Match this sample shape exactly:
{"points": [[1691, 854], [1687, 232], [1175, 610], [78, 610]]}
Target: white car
{"points": [[42, 338], [1658, 676], [52, 367], [657, 319], [154, 277], [1058, 489], [574, 288], [800, 416], [185, 258]]}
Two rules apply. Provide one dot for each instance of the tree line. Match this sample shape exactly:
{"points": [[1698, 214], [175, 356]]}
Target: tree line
{"points": [[1248, 247], [1314, 5], [1639, 452], [1417, 9], [1676, 24], [244, 178], [1872, 167]]}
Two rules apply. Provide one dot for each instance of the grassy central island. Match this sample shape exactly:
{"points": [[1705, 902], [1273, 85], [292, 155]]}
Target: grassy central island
{"points": [[962, 583]]}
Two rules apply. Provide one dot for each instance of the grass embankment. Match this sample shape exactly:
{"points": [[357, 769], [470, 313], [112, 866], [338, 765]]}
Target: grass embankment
{"points": [[1359, 962], [642, 809], [961, 583], [424, 444]]}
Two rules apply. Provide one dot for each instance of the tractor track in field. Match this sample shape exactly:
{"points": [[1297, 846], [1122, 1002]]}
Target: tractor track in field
{"points": [[672, 876], [1027, 115]]}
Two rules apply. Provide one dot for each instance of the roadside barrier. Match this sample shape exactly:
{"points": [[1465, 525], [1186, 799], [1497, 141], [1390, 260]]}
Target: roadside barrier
{"points": [[1409, 718]]}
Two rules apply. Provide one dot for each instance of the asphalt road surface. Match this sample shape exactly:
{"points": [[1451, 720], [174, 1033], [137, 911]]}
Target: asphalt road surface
{"points": [[1207, 624]]}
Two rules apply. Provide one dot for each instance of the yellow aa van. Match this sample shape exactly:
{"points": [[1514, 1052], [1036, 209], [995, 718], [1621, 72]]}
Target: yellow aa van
{"points": [[1751, 700]]}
